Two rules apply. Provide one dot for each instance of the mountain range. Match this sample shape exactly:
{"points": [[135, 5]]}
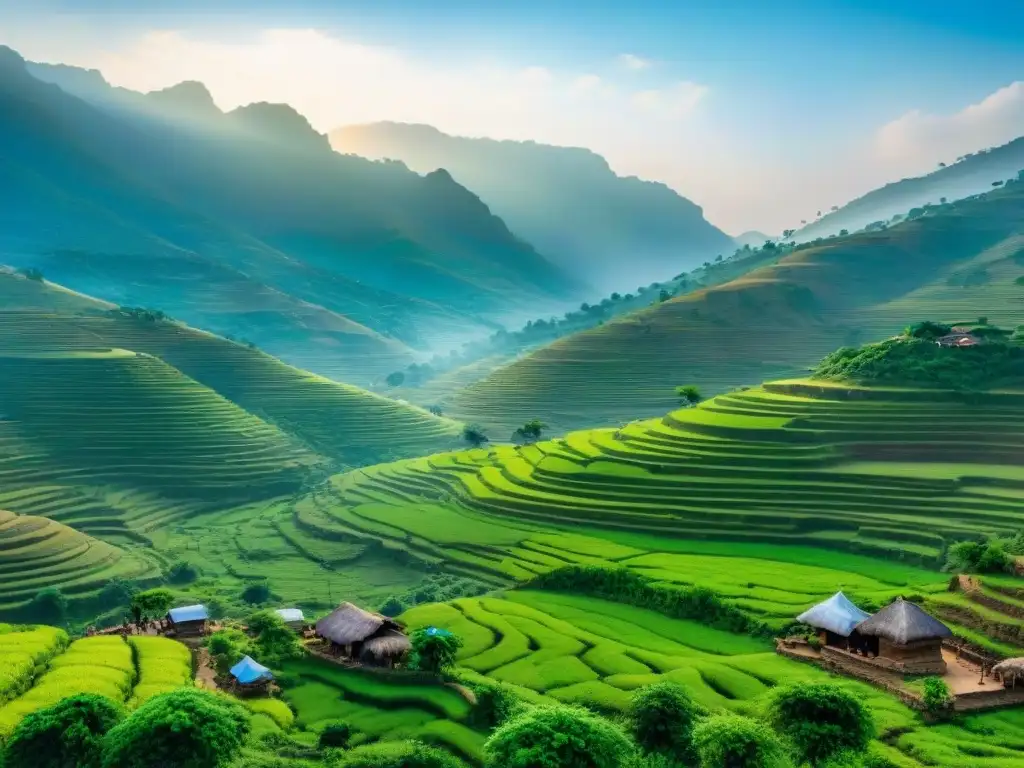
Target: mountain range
{"points": [[609, 230], [247, 222]]}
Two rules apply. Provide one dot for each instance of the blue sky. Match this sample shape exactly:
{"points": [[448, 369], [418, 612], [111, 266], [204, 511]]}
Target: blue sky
{"points": [[759, 110]]}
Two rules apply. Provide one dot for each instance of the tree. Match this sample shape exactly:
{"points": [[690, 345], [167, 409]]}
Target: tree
{"points": [[49, 606], [336, 735], [256, 592], [664, 296], [182, 572], [392, 607], [997, 183], [117, 593], [474, 435], [68, 734], [275, 640], [153, 602], [186, 728], [820, 719], [844, 232], [530, 431], [395, 379], [942, 201], [495, 704], [434, 650], [436, 410], [733, 741], [227, 647], [557, 737], [689, 394], [662, 717]]}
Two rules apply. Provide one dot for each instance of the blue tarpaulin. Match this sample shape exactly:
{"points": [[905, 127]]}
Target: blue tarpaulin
{"points": [[249, 671], [188, 613], [290, 614], [436, 631]]}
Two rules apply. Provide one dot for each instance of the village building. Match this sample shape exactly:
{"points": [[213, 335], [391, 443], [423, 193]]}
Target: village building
{"points": [[835, 619], [362, 636], [904, 638], [958, 338], [293, 617], [250, 677], [188, 621]]}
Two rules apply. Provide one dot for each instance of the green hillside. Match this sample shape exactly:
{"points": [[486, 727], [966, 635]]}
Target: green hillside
{"points": [[957, 263]]}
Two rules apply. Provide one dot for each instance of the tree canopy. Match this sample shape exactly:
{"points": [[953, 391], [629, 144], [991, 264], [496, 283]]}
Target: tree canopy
{"points": [[398, 754], [661, 719], [186, 728], [67, 735], [557, 737], [737, 742], [820, 720], [434, 650]]}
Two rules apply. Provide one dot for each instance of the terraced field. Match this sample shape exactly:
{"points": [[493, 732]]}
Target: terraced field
{"points": [[835, 486], [959, 264], [100, 665]]}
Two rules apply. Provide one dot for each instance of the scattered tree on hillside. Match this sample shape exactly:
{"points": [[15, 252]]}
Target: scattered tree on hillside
{"points": [[227, 647], [997, 183], [139, 313], [844, 232], [689, 394], [927, 330], [496, 703], [557, 736], [274, 641], [662, 717], [936, 696], [182, 572], [820, 719], [663, 296], [942, 201], [985, 555], [117, 593], [392, 607], [153, 602], [436, 410], [474, 435], [434, 650], [31, 273], [530, 431], [49, 606], [395, 379], [69, 733], [185, 728], [256, 592], [335, 735], [737, 742]]}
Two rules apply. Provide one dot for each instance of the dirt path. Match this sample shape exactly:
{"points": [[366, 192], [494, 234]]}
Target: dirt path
{"points": [[205, 672]]}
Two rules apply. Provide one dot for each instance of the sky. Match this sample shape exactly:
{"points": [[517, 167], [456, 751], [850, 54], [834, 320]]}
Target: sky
{"points": [[760, 111]]}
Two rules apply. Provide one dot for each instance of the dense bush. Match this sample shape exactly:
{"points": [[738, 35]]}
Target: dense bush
{"points": [[153, 602], [557, 737], [49, 606], [434, 650], [335, 735], [624, 586], [182, 572], [398, 754], [661, 719], [392, 607], [920, 362], [936, 695], [256, 592], [737, 742], [186, 728], [67, 735], [495, 704], [274, 640], [985, 555], [227, 647], [820, 720]]}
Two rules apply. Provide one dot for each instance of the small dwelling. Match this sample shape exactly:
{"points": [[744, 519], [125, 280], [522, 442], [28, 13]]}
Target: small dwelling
{"points": [[363, 636], [249, 676], [188, 621], [909, 640], [835, 619], [293, 617]]}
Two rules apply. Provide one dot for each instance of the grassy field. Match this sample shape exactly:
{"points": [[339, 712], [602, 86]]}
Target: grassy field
{"points": [[773, 322]]}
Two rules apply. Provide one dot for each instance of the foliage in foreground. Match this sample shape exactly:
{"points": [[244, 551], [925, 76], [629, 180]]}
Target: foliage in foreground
{"points": [[662, 717], [67, 735], [398, 754], [737, 742], [557, 737], [987, 555], [434, 650], [186, 728], [820, 719]]}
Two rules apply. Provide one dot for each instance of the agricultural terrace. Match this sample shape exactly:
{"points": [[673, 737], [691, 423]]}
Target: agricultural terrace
{"points": [[550, 646], [36, 553], [126, 673], [807, 486]]}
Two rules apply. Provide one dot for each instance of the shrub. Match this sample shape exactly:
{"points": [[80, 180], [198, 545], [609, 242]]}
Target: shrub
{"points": [[70, 733], [227, 647], [50, 606], [737, 742], [936, 695], [984, 556], [153, 602], [434, 650], [689, 394], [335, 735], [557, 737], [256, 592], [495, 704], [116, 593], [474, 435], [820, 719], [398, 754], [662, 717], [392, 607], [275, 640], [186, 728]]}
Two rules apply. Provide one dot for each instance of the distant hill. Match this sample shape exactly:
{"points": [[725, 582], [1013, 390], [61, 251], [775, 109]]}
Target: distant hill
{"points": [[969, 175], [958, 261], [248, 223], [611, 231], [753, 238]]}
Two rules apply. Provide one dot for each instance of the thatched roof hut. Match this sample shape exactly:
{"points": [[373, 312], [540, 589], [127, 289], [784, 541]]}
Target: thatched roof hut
{"points": [[1010, 671], [836, 615], [349, 624], [388, 645], [903, 622]]}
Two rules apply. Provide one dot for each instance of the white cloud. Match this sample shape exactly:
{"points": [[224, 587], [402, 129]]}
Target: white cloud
{"points": [[675, 101], [917, 140], [633, 62]]}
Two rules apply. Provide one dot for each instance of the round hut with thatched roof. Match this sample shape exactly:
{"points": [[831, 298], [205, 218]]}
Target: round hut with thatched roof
{"points": [[909, 640], [363, 636], [1010, 671]]}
